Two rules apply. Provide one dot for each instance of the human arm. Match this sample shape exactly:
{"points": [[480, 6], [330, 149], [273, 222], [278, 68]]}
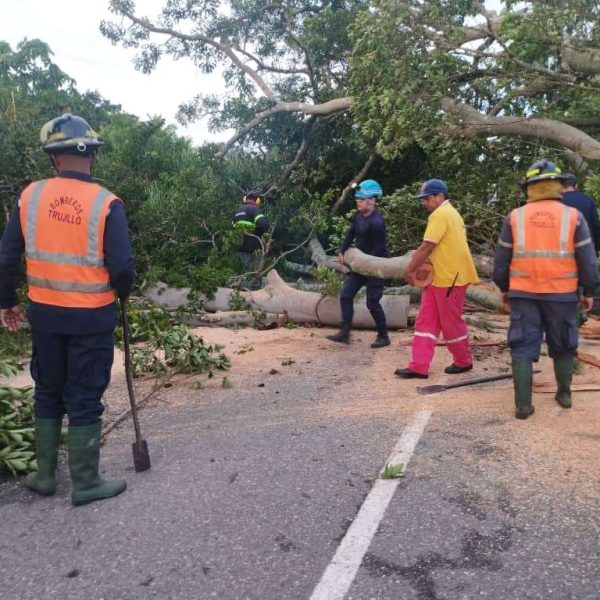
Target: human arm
{"points": [[585, 256], [379, 237], [417, 260], [503, 258], [348, 239], [595, 226], [12, 247], [117, 251], [262, 224]]}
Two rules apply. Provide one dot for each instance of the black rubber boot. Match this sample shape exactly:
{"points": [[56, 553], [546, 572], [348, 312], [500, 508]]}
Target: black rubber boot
{"points": [[84, 456], [381, 341], [563, 371], [522, 371], [47, 441], [342, 336]]}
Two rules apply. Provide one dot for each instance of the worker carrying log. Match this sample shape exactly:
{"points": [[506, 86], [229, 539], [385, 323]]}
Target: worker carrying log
{"points": [[368, 231], [544, 251], [74, 235], [445, 245]]}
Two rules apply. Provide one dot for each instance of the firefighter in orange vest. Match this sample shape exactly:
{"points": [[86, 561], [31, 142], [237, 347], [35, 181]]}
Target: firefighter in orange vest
{"points": [[74, 236], [544, 252]]}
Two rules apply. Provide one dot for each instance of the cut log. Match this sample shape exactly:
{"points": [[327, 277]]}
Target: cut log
{"points": [[300, 307], [318, 256], [376, 266], [484, 294], [237, 317], [393, 268]]}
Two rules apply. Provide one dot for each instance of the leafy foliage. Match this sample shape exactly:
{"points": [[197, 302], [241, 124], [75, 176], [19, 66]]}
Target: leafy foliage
{"points": [[176, 350], [17, 450]]}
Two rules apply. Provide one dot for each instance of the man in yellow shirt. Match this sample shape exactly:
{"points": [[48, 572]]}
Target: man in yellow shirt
{"points": [[445, 246]]}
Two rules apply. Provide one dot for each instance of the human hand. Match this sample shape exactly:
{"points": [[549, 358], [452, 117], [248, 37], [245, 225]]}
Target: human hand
{"points": [[505, 302], [587, 303], [341, 258], [12, 317], [409, 277]]}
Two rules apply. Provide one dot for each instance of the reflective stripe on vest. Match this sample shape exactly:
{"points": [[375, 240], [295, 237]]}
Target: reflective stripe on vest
{"points": [[543, 260], [63, 221], [245, 225]]}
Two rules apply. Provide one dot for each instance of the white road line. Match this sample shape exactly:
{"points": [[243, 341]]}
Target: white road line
{"points": [[340, 572]]}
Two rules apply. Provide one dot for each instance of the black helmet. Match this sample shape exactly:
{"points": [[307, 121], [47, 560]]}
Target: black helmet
{"points": [[69, 134], [542, 170]]}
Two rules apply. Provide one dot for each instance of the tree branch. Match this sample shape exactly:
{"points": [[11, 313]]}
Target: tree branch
{"points": [[476, 123], [326, 108], [297, 159], [198, 37], [358, 177]]}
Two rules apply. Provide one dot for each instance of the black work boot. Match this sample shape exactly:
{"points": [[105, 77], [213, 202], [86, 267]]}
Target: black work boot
{"points": [[47, 441], [563, 371], [381, 341], [342, 336], [522, 371], [84, 456]]}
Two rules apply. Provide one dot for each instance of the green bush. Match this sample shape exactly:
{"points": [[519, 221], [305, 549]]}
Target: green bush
{"points": [[17, 449]]}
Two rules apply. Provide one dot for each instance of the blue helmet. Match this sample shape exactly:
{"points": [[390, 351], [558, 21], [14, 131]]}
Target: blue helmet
{"points": [[369, 188]]}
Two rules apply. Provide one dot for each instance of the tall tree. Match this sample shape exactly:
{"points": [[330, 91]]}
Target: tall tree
{"points": [[417, 67]]}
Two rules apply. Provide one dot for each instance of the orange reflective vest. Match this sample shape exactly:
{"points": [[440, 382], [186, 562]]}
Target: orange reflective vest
{"points": [[543, 260], [63, 222]]}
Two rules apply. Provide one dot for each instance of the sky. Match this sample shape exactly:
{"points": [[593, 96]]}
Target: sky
{"points": [[71, 29]]}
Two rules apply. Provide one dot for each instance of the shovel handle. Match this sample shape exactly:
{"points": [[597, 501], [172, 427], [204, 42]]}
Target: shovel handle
{"points": [[125, 322], [482, 380]]}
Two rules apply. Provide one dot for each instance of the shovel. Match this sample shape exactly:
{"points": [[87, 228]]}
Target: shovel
{"points": [[434, 389], [141, 457]]}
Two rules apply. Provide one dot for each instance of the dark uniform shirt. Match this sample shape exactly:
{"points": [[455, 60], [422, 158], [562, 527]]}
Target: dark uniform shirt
{"points": [[368, 233], [587, 207], [249, 217], [118, 259]]}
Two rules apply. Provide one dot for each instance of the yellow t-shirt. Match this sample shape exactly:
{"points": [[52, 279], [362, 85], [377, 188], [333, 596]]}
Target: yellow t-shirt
{"points": [[446, 229]]}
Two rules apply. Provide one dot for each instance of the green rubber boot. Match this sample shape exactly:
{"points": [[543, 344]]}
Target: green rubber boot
{"points": [[563, 371], [47, 441], [522, 371], [84, 456]]}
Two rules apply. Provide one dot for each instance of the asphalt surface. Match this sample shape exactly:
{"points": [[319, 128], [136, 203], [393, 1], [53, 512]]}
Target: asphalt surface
{"points": [[252, 488]]}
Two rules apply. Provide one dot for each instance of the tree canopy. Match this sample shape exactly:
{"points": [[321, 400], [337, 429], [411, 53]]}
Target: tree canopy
{"points": [[322, 93]]}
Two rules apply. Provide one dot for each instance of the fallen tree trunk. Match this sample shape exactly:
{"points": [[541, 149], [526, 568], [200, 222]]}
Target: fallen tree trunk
{"points": [[318, 256], [393, 268], [300, 307], [484, 294]]}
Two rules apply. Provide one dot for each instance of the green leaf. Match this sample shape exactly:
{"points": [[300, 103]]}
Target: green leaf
{"points": [[392, 471]]}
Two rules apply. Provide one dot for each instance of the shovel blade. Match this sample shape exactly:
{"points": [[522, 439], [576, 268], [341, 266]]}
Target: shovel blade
{"points": [[431, 389], [141, 457]]}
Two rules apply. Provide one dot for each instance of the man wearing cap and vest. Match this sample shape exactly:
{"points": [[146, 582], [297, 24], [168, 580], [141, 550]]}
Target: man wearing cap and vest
{"points": [[445, 245], [544, 252], [249, 219], [74, 235], [368, 231]]}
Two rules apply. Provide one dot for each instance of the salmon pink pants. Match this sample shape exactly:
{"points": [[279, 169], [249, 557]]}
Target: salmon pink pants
{"points": [[440, 313]]}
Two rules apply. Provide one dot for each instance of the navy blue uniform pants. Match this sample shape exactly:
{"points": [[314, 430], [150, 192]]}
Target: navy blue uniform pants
{"points": [[71, 373], [352, 285], [530, 319]]}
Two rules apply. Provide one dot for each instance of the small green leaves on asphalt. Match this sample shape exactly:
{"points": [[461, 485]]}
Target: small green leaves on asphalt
{"points": [[392, 471]]}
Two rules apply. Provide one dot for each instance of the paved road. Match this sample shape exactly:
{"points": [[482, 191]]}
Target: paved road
{"points": [[253, 488]]}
